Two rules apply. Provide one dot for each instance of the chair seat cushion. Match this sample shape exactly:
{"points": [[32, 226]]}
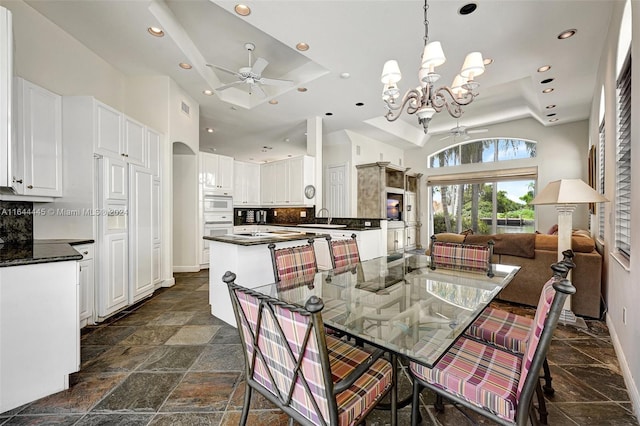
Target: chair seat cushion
{"points": [[502, 328], [365, 391], [481, 374]]}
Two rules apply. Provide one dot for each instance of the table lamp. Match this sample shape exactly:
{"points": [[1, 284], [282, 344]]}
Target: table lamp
{"points": [[565, 194]]}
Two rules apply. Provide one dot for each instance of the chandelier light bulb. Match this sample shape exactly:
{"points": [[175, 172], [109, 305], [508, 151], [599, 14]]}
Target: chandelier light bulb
{"points": [[391, 72]]}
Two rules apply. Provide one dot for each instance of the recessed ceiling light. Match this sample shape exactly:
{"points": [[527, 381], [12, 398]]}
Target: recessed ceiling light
{"points": [[302, 89], [155, 31], [550, 106], [208, 92], [345, 75], [467, 9], [242, 9], [553, 120], [267, 147], [185, 66], [273, 102], [487, 61], [209, 129], [546, 81], [553, 114], [549, 90], [287, 140], [328, 113], [289, 155], [232, 108], [566, 34], [359, 103], [302, 46], [544, 68]]}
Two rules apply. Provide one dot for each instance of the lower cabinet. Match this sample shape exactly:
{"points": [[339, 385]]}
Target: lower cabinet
{"points": [[395, 240], [411, 235], [87, 282]]}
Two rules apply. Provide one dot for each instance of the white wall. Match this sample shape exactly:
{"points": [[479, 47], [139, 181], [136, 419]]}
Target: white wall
{"points": [[185, 214], [182, 127], [562, 152], [622, 290]]}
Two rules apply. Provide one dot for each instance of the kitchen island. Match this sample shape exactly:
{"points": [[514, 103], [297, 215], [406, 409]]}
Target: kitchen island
{"points": [[247, 255]]}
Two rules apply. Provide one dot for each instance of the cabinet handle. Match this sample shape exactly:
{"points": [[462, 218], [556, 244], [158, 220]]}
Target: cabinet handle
{"points": [[30, 186], [17, 180], [85, 252]]}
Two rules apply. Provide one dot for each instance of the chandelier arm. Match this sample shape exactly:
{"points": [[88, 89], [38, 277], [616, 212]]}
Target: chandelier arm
{"points": [[411, 99]]}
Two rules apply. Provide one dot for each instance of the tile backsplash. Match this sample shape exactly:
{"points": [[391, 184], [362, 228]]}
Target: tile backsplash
{"points": [[16, 221]]}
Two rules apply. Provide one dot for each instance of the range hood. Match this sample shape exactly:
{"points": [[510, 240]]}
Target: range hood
{"points": [[6, 85]]}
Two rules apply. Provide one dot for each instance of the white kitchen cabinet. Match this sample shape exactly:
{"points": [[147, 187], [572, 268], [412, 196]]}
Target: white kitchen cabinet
{"points": [[246, 182], [268, 184], [134, 142], [119, 136], [286, 180], [38, 168], [86, 280], [115, 179], [411, 235], [395, 240], [216, 174], [140, 233], [154, 145], [114, 274], [410, 208]]}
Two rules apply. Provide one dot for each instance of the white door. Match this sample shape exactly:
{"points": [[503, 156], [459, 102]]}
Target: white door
{"points": [[336, 184], [115, 274], [140, 233]]}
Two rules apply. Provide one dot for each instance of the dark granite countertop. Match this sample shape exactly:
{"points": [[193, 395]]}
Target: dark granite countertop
{"points": [[319, 226], [32, 252], [71, 241], [264, 237]]}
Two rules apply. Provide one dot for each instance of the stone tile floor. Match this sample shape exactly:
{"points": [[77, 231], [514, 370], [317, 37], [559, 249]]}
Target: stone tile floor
{"points": [[168, 361]]}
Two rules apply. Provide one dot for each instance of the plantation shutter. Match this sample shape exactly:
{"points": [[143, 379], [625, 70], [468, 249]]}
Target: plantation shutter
{"points": [[623, 162], [601, 181]]}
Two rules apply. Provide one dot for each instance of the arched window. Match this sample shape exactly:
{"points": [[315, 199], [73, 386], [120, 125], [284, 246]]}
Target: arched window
{"points": [[483, 151]]}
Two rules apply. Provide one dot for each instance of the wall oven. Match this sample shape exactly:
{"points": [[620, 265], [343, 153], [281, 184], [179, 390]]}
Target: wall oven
{"points": [[217, 204]]}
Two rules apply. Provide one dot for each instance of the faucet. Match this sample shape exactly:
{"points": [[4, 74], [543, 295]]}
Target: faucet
{"points": [[328, 214]]}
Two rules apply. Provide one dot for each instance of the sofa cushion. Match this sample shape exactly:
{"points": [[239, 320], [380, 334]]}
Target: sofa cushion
{"points": [[450, 237], [521, 245], [579, 243]]}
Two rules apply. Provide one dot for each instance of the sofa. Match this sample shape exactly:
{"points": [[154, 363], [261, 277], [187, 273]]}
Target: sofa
{"points": [[535, 253]]}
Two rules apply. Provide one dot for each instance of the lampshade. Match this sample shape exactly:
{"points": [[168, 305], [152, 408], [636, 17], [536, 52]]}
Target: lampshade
{"points": [[391, 72], [473, 65], [433, 56], [568, 191]]}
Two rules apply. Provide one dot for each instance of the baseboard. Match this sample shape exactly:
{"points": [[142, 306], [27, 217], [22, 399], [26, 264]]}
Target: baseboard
{"points": [[170, 282], [195, 268], [632, 388]]}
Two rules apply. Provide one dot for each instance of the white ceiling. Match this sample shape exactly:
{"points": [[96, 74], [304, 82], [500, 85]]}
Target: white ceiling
{"points": [[353, 36]]}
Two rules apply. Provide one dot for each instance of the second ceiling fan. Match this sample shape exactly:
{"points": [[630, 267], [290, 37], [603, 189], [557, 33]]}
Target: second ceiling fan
{"points": [[252, 75]]}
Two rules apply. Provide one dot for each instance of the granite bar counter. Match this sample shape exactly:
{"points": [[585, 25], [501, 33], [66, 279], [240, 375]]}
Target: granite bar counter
{"points": [[33, 252], [260, 238]]}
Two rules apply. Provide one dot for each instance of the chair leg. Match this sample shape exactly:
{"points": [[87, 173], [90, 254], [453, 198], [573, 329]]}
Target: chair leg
{"points": [[548, 389], [542, 405], [439, 404], [416, 417], [247, 403]]}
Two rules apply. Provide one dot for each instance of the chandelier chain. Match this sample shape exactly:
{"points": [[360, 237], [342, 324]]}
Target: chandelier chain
{"points": [[426, 23]]}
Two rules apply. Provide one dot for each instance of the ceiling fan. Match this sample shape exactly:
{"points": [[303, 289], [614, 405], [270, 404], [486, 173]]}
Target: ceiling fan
{"points": [[252, 75], [462, 132]]}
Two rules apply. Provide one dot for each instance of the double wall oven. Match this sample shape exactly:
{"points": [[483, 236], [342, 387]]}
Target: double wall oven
{"points": [[217, 219]]}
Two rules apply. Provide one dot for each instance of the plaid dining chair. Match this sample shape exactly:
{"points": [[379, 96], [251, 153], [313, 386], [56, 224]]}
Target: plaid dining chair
{"points": [[314, 378], [510, 331], [493, 382], [344, 253], [460, 256], [292, 262]]}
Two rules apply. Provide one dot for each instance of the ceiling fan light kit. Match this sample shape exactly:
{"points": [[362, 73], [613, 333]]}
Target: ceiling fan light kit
{"points": [[251, 75], [426, 99]]}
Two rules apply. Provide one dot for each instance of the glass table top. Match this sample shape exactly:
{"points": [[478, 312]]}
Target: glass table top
{"points": [[402, 306]]}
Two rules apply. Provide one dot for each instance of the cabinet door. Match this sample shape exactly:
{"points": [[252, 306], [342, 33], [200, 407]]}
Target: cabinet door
{"points": [[156, 265], [140, 233], [86, 279], [135, 142], [411, 237], [253, 184], [281, 182], [225, 175], [239, 184], [39, 140], [108, 138], [115, 179], [268, 183], [155, 154], [115, 274], [208, 172], [410, 208], [296, 181], [156, 212]]}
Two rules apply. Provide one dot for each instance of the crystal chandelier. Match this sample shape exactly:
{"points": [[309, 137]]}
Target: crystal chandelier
{"points": [[425, 100]]}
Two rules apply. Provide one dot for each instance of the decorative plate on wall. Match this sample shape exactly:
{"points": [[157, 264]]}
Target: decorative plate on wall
{"points": [[309, 191]]}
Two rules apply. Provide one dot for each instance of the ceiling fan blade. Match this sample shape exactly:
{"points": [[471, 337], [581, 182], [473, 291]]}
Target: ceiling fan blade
{"points": [[224, 69], [259, 65], [255, 88], [275, 82], [446, 137], [477, 130], [226, 86]]}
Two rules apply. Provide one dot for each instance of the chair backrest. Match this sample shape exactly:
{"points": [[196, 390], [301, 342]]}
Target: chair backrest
{"points": [[550, 305], [285, 352], [344, 253], [292, 262], [463, 257]]}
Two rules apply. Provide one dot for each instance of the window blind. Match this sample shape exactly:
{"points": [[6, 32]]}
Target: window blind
{"points": [[601, 181], [623, 162], [521, 173]]}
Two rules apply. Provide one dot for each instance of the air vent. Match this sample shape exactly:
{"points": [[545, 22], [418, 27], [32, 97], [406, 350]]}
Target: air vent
{"points": [[185, 108]]}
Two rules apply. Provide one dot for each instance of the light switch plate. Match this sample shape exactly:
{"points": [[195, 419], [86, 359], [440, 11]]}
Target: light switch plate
{"points": [[303, 214]]}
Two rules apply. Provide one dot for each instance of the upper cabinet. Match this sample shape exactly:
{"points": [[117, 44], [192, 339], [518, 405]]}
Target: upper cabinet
{"points": [[120, 136], [246, 184], [38, 171], [216, 174], [284, 181]]}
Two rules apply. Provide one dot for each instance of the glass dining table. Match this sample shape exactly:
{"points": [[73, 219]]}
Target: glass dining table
{"points": [[401, 306]]}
